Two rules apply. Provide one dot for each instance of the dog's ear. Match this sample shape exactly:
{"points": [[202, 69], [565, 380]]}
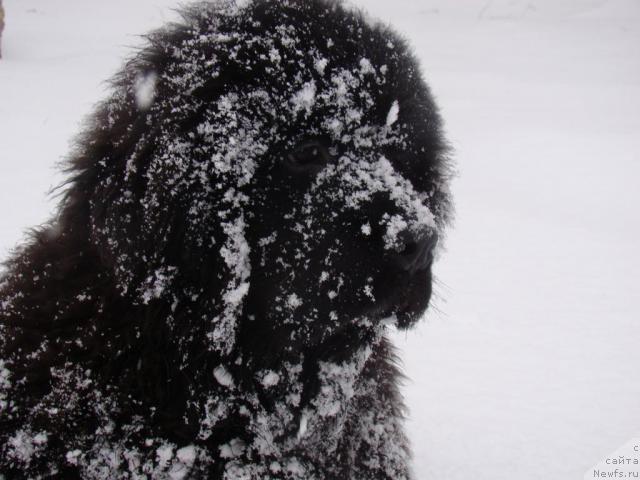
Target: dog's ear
{"points": [[168, 223]]}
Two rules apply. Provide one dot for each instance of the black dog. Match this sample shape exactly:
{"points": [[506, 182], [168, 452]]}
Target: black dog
{"points": [[258, 199]]}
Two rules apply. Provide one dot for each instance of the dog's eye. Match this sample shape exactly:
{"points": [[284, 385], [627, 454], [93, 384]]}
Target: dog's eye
{"points": [[307, 158], [310, 153]]}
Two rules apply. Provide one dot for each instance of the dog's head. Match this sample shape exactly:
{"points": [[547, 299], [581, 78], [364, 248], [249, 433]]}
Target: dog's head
{"points": [[262, 193], [281, 164]]}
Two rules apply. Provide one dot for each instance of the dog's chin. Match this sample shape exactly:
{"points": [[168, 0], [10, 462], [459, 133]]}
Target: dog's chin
{"points": [[407, 319], [401, 317], [406, 302]]}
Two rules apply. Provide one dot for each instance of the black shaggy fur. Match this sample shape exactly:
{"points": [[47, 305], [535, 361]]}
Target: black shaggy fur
{"points": [[257, 200]]}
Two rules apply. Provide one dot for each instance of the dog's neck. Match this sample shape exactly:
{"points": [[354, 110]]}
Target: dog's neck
{"points": [[296, 400]]}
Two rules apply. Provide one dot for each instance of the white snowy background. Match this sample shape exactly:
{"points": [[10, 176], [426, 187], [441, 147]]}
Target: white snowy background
{"points": [[528, 366]]}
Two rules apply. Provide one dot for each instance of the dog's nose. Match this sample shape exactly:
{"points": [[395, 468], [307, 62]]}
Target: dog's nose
{"points": [[417, 253]]}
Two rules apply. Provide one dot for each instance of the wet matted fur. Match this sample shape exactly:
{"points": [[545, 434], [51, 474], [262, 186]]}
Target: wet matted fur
{"points": [[245, 215]]}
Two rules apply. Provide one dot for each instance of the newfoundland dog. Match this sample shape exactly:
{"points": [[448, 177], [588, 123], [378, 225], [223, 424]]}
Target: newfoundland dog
{"points": [[257, 201]]}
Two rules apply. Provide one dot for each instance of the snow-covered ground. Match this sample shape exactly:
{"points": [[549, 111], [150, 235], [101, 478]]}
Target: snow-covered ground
{"points": [[528, 366]]}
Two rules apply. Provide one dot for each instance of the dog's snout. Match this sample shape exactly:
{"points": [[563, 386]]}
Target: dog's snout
{"points": [[417, 253]]}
